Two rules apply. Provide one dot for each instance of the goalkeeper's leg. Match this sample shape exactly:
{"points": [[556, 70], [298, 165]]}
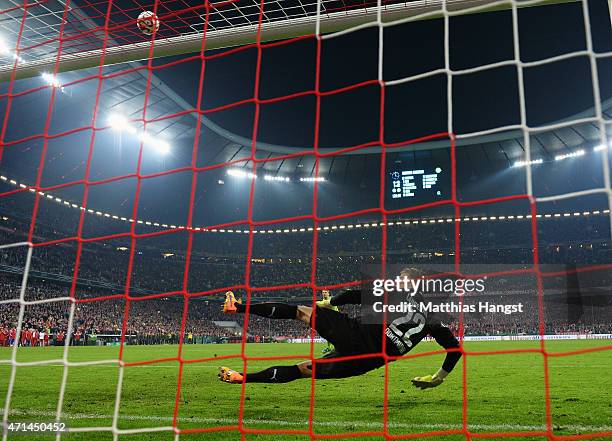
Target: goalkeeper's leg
{"points": [[323, 370], [274, 374], [272, 310], [335, 327]]}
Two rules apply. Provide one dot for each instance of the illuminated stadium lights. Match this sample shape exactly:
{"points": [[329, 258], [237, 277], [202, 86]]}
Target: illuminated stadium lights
{"points": [[237, 173], [160, 145], [575, 154], [313, 179], [277, 178], [122, 124], [524, 163], [52, 81], [398, 223], [5, 50]]}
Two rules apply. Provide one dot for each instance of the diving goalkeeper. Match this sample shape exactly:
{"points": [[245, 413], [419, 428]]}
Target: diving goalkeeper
{"points": [[350, 337]]}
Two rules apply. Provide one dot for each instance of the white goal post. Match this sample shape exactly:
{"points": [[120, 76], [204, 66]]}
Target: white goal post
{"points": [[270, 31]]}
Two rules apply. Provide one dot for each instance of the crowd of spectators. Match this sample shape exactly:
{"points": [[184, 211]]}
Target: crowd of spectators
{"points": [[156, 320], [161, 267], [160, 320]]}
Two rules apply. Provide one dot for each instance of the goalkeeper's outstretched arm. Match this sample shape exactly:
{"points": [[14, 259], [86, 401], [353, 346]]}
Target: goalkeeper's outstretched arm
{"points": [[445, 338]]}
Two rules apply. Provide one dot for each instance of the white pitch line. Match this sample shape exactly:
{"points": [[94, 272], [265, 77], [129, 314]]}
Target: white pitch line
{"points": [[363, 424], [111, 364]]}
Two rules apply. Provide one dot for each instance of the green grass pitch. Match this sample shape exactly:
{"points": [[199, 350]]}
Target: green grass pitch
{"points": [[505, 393]]}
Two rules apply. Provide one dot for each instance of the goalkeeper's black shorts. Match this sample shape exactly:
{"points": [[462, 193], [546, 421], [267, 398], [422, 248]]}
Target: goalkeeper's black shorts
{"points": [[349, 337]]}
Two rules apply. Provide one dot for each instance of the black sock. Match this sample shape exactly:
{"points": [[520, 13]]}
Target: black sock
{"points": [[271, 310], [275, 374]]}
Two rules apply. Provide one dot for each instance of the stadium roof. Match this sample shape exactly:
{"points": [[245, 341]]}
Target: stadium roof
{"points": [[126, 92]]}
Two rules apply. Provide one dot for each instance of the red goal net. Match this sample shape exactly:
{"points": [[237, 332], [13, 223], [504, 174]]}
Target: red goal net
{"points": [[44, 41]]}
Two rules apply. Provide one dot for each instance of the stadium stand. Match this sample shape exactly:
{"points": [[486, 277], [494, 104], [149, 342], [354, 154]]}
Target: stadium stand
{"points": [[159, 267]]}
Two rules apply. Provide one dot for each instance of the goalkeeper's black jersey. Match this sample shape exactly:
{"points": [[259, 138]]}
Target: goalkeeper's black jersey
{"points": [[403, 333], [406, 332]]}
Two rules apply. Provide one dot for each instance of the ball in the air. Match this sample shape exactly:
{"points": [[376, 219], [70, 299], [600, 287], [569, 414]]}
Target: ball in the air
{"points": [[148, 23]]}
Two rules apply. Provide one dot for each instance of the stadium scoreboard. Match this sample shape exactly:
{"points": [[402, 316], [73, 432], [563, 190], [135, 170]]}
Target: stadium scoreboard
{"points": [[418, 185]]}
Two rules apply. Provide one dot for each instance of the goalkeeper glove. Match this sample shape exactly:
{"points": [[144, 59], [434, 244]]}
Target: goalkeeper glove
{"points": [[429, 381]]}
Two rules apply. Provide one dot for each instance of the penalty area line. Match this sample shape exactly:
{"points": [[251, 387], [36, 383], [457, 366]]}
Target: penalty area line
{"points": [[270, 422]]}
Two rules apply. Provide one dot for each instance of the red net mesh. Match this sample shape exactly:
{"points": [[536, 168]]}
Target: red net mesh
{"points": [[113, 25]]}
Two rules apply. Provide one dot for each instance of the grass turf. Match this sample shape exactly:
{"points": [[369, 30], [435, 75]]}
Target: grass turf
{"points": [[505, 393]]}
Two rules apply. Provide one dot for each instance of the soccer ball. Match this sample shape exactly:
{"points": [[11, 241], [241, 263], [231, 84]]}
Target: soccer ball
{"points": [[148, 23]]}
